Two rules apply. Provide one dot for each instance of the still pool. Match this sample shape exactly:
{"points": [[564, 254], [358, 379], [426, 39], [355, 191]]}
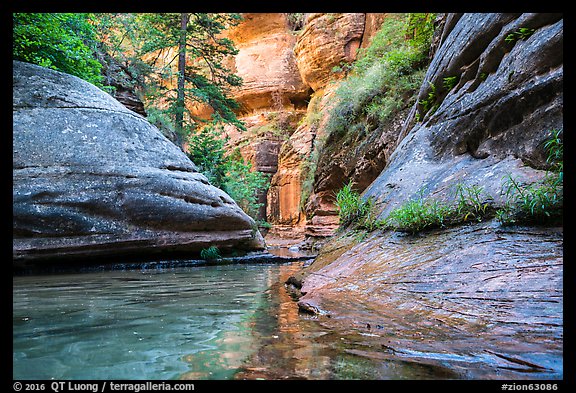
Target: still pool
{"points": [[235, 321]]}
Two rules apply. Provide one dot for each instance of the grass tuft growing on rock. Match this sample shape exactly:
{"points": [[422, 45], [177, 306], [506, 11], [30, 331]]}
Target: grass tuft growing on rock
{"points": [[540, 202], [419, 214], [210, 254]]}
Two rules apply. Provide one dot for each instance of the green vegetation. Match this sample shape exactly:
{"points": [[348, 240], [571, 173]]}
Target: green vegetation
{"points": [[210, 254], [381, 82], [450, 82], [65, 42], [535, 203], [540, 202], [430, 102], [471, 203], [385, 77], [355, 211], [228, 172], [520, 34], [243, 184], [419, 214], [351, 206], [193, 75], [176, 61]]}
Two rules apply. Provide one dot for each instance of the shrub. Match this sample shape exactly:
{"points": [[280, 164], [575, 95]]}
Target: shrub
{"points": [[228, 172], [243, 184], [62, 41]]}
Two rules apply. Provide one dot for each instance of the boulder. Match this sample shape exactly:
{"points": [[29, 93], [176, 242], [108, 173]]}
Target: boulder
{"points": [[493, 122], [92, 179]]}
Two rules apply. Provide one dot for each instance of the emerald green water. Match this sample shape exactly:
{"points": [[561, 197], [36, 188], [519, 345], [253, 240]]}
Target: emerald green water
{"points": [[136, 324], [235, 321]]}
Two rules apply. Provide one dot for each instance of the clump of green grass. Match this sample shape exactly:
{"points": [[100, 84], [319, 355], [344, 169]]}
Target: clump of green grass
{"points": [[532, 203], [351, 206], [419, 214], [471, 203], [520, 34], [540, 202], [210, 254], [535, 203], [356, 211]]}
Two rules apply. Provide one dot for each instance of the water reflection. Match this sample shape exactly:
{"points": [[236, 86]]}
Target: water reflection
{"points": [[135, 324], [203, 322]]}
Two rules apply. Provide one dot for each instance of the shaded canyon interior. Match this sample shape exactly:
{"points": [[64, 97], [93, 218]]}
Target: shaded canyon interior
{"points": [[474, 291]]}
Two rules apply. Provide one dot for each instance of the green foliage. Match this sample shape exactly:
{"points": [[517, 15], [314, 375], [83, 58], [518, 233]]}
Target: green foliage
{"points": [[243, 184], [429, 103], [520, 34], [420, 28], [350, 205], [144, 44], [535, 203], [554, 147], [206, 148], [384, 78], [471, 203], [539, 202], [210, 254], [450, 82], [354, 210], [419, 214], [62, 41], [532, 203]]}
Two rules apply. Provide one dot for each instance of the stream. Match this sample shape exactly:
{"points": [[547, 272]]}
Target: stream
{"points": [[231, 321]]}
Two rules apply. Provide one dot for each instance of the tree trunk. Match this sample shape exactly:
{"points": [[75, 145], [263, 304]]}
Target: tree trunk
{"points": [[181, 78]]}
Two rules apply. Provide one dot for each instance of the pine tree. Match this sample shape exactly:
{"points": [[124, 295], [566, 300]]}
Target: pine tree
{"points": [[200, 51]]}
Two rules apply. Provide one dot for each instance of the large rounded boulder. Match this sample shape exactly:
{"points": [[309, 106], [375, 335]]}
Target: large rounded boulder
{"points": [[92, 179]]}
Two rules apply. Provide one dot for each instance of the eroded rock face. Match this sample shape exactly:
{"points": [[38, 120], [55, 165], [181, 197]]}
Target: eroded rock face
{"points": [[494, 121], [92, 179], [327, 41], [448, 292], [480, 301], [284, 195], [266, 63]]}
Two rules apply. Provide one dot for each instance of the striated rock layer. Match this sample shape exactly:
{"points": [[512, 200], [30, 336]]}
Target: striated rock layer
{"points": [[266, 64], [327, 41], [93, 179], [483, 300]]}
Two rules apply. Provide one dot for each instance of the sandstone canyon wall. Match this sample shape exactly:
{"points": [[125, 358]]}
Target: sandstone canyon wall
{"points": [[284, 73], [482, 299], [94, 179]]}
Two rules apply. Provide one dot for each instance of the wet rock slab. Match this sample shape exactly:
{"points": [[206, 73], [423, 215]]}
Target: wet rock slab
{"points": [[484, 301]]}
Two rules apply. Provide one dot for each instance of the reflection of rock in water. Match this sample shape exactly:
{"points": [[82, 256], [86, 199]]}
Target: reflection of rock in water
{"points": [[287, 347]]}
